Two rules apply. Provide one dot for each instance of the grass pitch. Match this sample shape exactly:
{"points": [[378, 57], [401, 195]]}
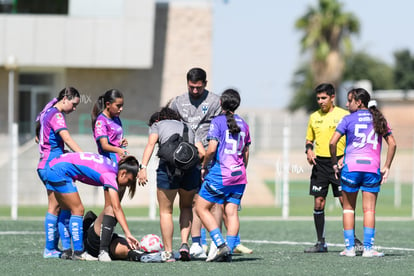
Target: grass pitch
{"points": [[278, 250]]}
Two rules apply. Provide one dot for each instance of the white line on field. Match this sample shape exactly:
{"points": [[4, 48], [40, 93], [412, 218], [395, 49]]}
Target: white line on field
{"points": [[4, 233]]}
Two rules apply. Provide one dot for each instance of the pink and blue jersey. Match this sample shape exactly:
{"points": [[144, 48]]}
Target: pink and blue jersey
{"points": [[51, 144], [228, 165], [86, 167], [363, 144], [111, 129]]}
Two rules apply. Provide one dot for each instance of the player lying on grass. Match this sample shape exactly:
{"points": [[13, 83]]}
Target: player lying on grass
{"points": [[102, 244], [96, 170]]}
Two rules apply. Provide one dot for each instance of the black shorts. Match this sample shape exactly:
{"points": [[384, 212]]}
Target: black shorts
{"points": [[323, 175], [190, 180], [92, 242]]}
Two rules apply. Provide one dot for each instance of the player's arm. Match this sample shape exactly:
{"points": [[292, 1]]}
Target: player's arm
{"points": [[120, 217], [310, 155], [201, 150], [149, 149], [332, 150], [211, 150], [392, 147], [67, 139], [109, 148], [246, 155]]}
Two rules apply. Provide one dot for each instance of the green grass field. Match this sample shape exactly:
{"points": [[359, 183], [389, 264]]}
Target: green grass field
{"points": [[278, 244], [278, 250]]}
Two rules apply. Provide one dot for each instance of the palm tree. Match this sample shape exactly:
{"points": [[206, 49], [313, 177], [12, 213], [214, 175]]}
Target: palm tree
{"points": [[327, 30]]}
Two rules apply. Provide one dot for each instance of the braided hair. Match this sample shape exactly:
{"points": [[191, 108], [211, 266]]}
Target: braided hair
{"points": [[230, 101]]}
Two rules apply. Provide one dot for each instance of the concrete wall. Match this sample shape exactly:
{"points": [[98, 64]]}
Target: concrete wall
{"points": [[117, 41]]}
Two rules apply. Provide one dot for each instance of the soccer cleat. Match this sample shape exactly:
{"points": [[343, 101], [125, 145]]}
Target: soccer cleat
{"points": [[135, 255], [369, 252], [104, 256], [184, 253], [223, 254], [89, 257], [151, 257], [319, 247], [241, 249], [359, 246], [348, 252], [66, 254], [51, 254], [212, 252], [197, 252], [167, 257], [205, 248], [79, 256]]}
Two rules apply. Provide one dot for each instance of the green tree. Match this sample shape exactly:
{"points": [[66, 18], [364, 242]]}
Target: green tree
{"points": [[303, 85], [362, 66], [327, 30], [404, 70]]}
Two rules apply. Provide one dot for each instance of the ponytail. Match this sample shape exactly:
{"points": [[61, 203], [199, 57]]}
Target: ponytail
{"points": [[96, 110], [131, 165], [231, 123], [230, 101], [68, 92], [110, 96]]}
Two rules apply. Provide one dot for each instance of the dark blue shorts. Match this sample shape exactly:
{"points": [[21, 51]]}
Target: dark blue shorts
{"points": [[189, 180], [364, 181]]}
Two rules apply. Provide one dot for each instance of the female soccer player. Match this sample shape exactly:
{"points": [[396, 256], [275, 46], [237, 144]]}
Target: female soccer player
{"points": [[163, 125], [225, 182], [364, 129], [107, 126], [96, 170], [52, 134]]}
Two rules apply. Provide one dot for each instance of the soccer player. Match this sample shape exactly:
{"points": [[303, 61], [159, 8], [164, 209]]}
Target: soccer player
{"points": [[163, 125], [361, 170], [321, 126], [52, 134], [96, 170], [107, 126], [225, 182], [118, 246]]}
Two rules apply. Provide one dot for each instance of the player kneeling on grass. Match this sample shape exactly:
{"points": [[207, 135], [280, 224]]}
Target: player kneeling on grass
{"points": [[225, 182], [96, 170]]}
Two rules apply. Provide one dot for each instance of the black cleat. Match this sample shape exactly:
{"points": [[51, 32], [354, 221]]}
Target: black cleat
{"points": [[319, 247]]}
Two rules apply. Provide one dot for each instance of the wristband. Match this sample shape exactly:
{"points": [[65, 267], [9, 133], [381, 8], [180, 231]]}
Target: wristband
{"points": [[307, 147], [142, 166]]}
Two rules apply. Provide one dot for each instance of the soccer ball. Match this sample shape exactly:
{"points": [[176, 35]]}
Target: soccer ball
{"points": [[151, 243]]}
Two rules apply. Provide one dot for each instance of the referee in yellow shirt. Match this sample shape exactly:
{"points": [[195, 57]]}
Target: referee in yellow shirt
{"points": [[322, 124]]}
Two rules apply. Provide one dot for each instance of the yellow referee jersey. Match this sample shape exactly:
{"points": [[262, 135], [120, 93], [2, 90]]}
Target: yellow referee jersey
{"points": [[321, 127]]}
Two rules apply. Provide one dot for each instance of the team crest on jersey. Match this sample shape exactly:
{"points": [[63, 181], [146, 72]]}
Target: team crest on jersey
{"points": [[204, 108], [60, 119]]}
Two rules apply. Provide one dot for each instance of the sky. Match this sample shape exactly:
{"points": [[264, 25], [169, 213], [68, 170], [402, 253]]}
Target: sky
{"points": [[256, 48]]}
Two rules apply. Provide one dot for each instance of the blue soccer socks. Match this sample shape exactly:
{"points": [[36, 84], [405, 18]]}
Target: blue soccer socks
{"points": [[217, 237], [52, 237], [349, 237], [63, 225]]}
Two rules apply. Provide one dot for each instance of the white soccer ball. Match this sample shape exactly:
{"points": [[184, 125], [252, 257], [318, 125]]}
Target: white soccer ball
{"points": [[151, 243]]}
